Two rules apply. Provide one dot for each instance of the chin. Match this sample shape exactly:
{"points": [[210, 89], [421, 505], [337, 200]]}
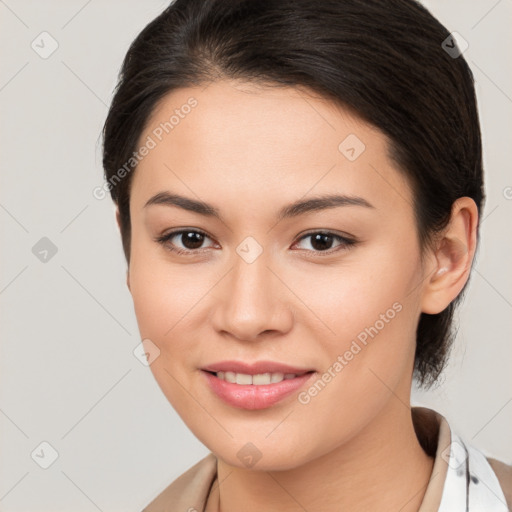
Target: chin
{"points": [[260, 455]]}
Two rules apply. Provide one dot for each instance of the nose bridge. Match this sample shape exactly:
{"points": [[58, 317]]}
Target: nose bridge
{"points": [[251, 303]]}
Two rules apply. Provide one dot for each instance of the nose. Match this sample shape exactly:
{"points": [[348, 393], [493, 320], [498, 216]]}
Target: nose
{"points": [[253, 303]]}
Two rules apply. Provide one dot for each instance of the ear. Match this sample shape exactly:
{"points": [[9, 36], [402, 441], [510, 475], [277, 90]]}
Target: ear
{"points": [[452, 258], [128, 279], [118, 220]]}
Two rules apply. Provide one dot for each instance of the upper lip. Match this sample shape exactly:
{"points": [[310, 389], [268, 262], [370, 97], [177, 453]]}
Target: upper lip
{"points": [[255, 368]]}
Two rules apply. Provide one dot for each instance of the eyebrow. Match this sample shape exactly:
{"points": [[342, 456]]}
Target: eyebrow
{"points": [[294, 209]]}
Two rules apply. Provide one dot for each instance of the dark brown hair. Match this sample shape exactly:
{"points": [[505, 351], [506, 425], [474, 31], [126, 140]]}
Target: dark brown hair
{"points": [[383, 59]]}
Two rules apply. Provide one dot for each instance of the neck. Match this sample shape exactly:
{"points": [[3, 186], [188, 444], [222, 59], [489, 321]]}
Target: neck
{"points": [[382, 468]]}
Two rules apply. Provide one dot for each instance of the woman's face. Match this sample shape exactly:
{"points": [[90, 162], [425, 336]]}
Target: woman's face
{"points": [[331, 288]]}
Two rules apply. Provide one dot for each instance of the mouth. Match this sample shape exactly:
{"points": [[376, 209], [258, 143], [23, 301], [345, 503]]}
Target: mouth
{"points": [[259, 379], [256, 386]]}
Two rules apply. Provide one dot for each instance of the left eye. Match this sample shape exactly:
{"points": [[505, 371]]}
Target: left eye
{"points": [[322, 241], [192, 240]]}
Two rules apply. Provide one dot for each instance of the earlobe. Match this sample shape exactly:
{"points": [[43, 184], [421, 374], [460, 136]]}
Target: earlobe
{"points": [[128, 279], [452, 258]]}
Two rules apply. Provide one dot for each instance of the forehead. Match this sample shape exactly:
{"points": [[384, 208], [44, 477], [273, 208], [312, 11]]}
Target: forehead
{"points": [[248, 143]]}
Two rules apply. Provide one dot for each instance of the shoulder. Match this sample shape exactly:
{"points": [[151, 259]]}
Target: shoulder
{"points": [[189, 491], [503, 472], [469, 475]]}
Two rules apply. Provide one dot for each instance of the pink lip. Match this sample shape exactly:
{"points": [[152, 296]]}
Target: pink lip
{"points": [[254, 368], [250, 396]]}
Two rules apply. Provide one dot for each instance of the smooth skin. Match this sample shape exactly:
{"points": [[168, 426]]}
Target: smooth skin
{"points": [[249, 151]]}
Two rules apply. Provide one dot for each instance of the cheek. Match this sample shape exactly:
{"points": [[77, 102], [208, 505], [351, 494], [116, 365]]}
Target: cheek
{"points": [[366, 318], [163, 305], [343, 300], [164, 294], [368, 367], [164, 308]]}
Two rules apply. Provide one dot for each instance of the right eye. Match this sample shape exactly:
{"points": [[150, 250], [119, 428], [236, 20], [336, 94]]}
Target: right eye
{"points": [[190, 239]]}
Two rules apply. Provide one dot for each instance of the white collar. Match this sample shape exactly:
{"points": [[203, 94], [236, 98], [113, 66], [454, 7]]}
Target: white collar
{"points": [[471, 484]]}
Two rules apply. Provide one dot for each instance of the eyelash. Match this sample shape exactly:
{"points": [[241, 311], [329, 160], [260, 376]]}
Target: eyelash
{"points": [[345, 242]]}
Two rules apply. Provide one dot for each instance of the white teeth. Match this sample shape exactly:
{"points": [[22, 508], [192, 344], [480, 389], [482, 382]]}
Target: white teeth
{"points": [[258, 379], [230, 377], [243, 378], [277, 377], [261, 378]]}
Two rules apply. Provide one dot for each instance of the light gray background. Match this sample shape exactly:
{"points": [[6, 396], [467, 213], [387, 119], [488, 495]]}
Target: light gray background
{"points": [[67, 369]]}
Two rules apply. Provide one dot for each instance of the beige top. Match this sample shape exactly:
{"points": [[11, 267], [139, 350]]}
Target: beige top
{"points": [[455, 484]]}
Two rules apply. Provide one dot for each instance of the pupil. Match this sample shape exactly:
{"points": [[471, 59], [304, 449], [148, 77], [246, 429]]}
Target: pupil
{"points": [[321, 241], [192, 240]]}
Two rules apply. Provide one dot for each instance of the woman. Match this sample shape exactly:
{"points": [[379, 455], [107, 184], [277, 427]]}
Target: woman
{"points": [[299, 186]]}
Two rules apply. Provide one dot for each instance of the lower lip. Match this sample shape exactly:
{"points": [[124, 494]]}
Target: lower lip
{"points": [[252, 396]]}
